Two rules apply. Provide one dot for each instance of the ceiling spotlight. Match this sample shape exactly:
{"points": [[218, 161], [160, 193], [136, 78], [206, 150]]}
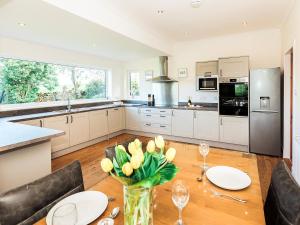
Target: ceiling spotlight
{"points": [[160, 11], [245, 23], [196, 3], [22, 24]]}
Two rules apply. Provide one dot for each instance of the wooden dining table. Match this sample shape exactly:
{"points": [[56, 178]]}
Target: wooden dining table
{"points": [[203, 207]]}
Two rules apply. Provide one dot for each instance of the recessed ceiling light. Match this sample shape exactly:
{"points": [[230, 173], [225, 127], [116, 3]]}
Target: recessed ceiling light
{"points": [[245, 23], [196, 3], [160, 11], [22, 24]]}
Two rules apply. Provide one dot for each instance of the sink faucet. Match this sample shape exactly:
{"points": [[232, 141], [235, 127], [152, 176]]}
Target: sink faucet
{"points": [[69, 106]]}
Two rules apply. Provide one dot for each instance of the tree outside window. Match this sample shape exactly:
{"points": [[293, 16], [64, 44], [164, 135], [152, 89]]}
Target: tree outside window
{"points": [[134, 84]]}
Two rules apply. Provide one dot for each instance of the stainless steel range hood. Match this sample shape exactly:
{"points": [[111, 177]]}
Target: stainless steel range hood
{"points": [[163, 66]]}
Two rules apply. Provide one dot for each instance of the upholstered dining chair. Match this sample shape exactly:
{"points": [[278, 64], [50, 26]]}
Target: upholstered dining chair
{"points": [[29, 203], [282, 206]]}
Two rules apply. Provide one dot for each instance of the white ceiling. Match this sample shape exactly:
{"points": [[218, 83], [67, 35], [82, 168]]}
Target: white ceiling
{"points": [[213, 18], [52, 26]]}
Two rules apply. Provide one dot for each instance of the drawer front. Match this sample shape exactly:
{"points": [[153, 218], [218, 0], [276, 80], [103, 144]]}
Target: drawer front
{"points": [[156, 111], [156, 118], [157, 128]]}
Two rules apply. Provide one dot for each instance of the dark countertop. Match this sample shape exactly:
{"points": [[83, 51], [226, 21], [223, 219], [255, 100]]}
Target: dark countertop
{"points": [[13, 135]]}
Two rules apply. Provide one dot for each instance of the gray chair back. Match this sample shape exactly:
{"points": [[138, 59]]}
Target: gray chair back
{"points": [[282, 206], [29, 203]]}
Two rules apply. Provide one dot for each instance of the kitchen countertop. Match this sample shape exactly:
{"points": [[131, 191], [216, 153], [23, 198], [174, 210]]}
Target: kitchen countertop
{"points": [[14, 136]]}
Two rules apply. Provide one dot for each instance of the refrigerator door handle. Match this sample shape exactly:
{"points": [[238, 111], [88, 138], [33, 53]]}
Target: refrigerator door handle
{"points": [[265, 111]]}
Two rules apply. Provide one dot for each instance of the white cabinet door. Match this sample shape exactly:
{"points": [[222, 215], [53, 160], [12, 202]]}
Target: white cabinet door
{"points": [[206, 125], [207, 68], [133, 118], [116, 121], [98, 123], [79, 128], [234, 130], [36, 123], [59, 123], [234, 67], [183, 123]]}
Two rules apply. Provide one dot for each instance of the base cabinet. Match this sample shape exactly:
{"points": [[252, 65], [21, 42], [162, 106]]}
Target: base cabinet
{"points": [[79, 128], [234, 130], [59, 123], [206, 125], [98, 124], [35, 123], [183, 123], [116, 121], [133, 118]]}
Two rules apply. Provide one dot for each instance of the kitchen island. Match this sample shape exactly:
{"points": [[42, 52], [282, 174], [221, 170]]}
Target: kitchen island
{"points": [[25, 153]]}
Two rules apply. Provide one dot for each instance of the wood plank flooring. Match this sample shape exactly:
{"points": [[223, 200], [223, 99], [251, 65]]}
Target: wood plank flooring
{"points": [[91, 156]]}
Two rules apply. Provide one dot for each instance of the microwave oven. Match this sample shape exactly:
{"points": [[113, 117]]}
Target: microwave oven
{"points": [[207, 83]]}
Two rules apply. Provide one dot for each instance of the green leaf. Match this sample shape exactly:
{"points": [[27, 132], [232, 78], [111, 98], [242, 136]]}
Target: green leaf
{"points": [[117, 168], [148, 182], [167, 173], [122, 157], [124, 180]]}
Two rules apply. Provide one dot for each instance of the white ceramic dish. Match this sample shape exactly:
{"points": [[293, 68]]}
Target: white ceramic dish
{"points": [[228, 177], [90, 205]]}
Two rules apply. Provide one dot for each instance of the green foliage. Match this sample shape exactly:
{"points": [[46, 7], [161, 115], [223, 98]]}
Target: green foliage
{"points": [[134, 88], [23, 81], [94, 89]]}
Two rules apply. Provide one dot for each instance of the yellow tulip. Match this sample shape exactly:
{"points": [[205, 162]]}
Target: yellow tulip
{"points": [[127, 169], [138, 143], [121, 147], [135, 161], [151, 146], [170, 154], [159, 141], [106, 165], [139, 153], [132, 148]]}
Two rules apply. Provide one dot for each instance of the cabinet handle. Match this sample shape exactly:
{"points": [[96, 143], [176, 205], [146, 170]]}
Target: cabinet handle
{"points": [[221, 72], [67, 119], [162, 116], [71, 119], [221, 121], [172, 112], [148, 124], [116, 109], [195, 115], [162, 111], [148, 110], [106, 112], [41, 123], [163, 126], [148, 115]]}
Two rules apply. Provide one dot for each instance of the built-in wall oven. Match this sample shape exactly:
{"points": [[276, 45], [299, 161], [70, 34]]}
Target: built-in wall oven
{"points": [[233, 96], [207, 83]]}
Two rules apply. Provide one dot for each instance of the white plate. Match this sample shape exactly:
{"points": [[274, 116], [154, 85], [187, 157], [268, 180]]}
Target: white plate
{"points": [[228, 177], [90, 205]]}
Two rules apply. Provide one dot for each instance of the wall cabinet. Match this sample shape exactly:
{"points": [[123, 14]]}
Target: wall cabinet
{"points": [[59, 123], [234, 67], [183, 123], [207, 68], [133, 118], [234, 130], [206, 125], [79, 128], [116, 119], [98, 124]]}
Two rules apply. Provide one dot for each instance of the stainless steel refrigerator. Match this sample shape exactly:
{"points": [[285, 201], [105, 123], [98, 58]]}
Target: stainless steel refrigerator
{"points": [[265, 112]]}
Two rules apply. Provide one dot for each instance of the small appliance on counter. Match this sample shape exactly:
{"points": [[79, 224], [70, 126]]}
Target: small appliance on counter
{"points": [[233, 96], [265, 112]]}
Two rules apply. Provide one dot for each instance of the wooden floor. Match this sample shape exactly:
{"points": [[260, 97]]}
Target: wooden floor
{"points": [[91, 156]]}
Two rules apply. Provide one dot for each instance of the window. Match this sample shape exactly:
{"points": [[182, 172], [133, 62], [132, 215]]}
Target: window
{"points": [[134, 84], [26, 81]]}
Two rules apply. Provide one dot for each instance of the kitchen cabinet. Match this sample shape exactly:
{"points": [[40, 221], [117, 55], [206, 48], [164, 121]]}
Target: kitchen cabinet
{"points": [[116, 120], [36, 122], [133, 118], [234, 130], [207, 68], [234, 67], [59, 123], [98, 124], [183, 123], [206, 125], [79, 128]]}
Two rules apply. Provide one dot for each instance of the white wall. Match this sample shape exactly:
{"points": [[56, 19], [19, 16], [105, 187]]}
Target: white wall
{"points": [[263, 47], [291, 38], [12, 48]]}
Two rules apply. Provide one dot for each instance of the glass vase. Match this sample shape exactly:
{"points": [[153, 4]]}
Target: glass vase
{"points": [[138, 206]]}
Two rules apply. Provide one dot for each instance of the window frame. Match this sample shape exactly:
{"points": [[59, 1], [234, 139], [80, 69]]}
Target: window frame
{"points": [[129, 83], [106, 71]]}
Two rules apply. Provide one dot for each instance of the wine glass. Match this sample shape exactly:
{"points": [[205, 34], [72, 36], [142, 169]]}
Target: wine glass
{"points": [[180, 197], [204, 150], [65, 214]]}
